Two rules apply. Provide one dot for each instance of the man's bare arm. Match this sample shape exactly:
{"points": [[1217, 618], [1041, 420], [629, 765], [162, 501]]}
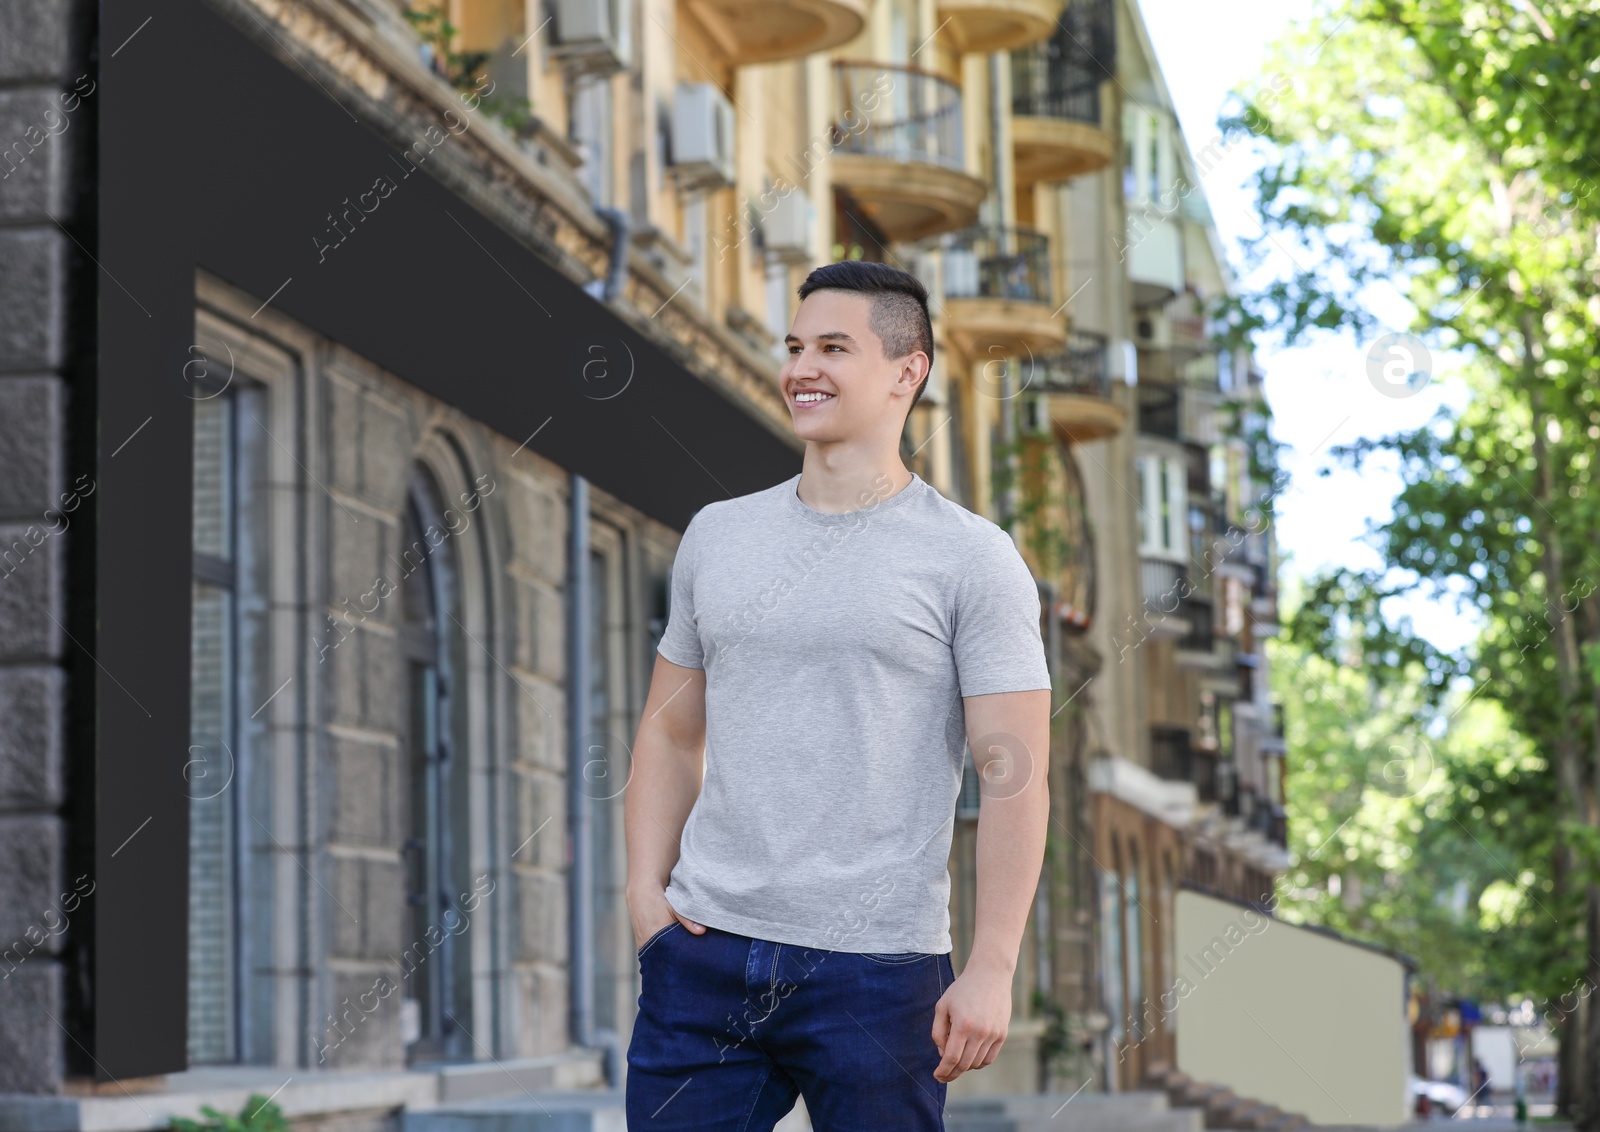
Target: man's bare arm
{"points": [[668, 765], [1009, 734]]}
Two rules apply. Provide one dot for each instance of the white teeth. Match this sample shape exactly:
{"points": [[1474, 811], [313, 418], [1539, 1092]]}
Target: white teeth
{"points": [[808, 398]]}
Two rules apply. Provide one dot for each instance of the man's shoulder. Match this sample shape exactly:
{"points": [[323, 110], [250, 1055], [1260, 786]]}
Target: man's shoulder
{"points": [[966, 529]]}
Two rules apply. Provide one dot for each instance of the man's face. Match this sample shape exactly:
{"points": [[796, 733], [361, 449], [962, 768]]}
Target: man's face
{"points": [[834, 352]]}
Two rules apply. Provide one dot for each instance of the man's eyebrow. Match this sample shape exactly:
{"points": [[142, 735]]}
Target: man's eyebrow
{"points": [[826, 335]]}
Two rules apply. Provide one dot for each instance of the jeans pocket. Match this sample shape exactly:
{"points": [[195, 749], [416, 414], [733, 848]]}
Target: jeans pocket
{"points": [[897, 959], [645, 946]]}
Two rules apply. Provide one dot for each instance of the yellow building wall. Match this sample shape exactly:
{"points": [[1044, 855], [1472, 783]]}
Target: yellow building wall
{"points": [[1288, 1016]]}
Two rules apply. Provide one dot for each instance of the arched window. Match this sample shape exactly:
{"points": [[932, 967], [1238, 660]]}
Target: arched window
{"points": [[1132, 907], [1111, 941], [437, 967]]}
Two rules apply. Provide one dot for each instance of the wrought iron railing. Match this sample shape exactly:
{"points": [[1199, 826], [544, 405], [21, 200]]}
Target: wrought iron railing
{"points": [[1061, 77], [1082, 368], [916, 115], [987, 261], [1160, 413]]}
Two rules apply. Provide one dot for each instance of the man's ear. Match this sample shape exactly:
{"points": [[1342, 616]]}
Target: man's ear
{"points": [[916, 367]]}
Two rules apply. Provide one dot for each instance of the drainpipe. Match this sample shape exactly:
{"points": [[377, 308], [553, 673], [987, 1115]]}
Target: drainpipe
{"points": [[580, 852], [580, 667], [621, 228]]}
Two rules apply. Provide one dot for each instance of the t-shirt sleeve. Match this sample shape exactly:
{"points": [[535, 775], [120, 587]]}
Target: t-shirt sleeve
{"points": [[997, 645], [680, 642]]}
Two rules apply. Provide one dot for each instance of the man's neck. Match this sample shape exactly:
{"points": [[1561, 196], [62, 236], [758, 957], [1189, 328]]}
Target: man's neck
{"points": [[840, 485]]}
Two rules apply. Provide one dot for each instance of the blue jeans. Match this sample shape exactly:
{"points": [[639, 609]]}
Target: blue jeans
{"points": [[731, 1029]]}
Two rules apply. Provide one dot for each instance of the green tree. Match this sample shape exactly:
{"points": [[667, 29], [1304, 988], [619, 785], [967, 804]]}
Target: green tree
{"points": [[1449, 147], [1418, 817]]}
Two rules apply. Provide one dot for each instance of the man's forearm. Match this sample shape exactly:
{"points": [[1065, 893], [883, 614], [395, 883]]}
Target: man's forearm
{"points": [[661, 792], [1011, 838], [1009, 734]]}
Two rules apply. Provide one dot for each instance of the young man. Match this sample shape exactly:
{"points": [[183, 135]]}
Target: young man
{"points": [[832, 641]]}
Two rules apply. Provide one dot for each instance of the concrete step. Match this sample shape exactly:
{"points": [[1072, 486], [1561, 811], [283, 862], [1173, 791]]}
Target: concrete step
{"points": [[1143, 1111], [577, 1110], [553, 1111]]}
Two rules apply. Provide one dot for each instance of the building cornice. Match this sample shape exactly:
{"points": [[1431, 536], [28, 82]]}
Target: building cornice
{"points": [[531, 192]]}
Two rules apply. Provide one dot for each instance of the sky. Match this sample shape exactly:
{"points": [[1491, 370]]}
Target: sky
{"points": [[1321, 395]]}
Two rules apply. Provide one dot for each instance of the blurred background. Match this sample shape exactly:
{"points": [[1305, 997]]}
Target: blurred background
{"points": [[1266, 329]]}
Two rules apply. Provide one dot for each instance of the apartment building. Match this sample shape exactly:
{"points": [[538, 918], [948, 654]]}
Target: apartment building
{"points": [[355, 836], [1186, 762]]}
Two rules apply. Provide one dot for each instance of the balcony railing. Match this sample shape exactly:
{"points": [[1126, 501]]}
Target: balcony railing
{"points": [[1171, 755], [1197, 612], [1061, 77], [919, 119], [1159, 411], [1162, 583], [1247, 663], [1081, 368], [991, 262]]}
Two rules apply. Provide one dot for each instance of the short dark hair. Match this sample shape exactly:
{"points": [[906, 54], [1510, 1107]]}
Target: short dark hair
{"points": [[899, 311]]}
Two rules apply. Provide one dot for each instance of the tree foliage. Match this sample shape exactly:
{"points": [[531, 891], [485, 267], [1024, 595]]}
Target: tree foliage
{"points": [[1449, 148]]}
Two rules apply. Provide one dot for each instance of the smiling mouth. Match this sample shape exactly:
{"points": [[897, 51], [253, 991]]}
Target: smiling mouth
{"points": [[806, 400]]}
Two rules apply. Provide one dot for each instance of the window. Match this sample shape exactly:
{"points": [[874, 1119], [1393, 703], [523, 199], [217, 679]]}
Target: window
{"points": [[778, 307], [694, 238], [1111, 945], [227, 620], [213, 969], [1132, 909], [591, 131], [1163, 507], [436, 1022]]}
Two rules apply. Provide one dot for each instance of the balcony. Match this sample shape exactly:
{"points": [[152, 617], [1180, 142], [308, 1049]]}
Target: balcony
{"points": [[1055, 102], [1186, 327], [1160, 413], [1198, 613], [763, 31], [981, 26], [903, 163], [1214, 779], [1272, 743], [1154, 254], [997, 293], [1163, 584], [1171, 753], [1077, 385]]}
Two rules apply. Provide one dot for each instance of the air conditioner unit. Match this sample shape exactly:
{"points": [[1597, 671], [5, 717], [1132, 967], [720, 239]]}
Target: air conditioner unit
{"points": [[1151, 331], [786, 228], [593, 36], [702, 137]]}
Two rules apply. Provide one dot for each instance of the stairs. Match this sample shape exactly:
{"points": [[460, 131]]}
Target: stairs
{"points": [[1220, 1107], [1170, 1102], [1147, 1111], [587, 1110]]}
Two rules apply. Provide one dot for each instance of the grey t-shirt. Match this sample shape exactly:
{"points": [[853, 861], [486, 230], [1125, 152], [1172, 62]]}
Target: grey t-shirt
{"points": [[837, 649]]}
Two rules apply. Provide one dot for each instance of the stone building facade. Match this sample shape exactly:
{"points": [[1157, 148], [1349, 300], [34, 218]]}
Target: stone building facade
{"points": [[419, 645]]}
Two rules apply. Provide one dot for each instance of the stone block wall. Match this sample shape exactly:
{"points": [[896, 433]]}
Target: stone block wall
{"points": [[47, 132]]}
